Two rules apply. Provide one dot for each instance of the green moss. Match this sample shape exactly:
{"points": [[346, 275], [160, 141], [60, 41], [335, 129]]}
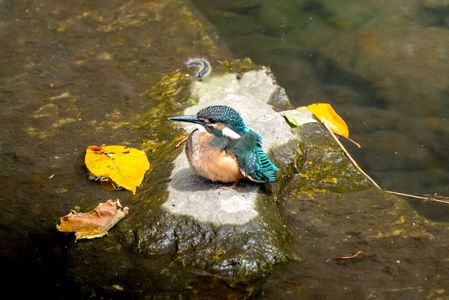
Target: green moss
{"points": [[323, 167], [236, 66], [190, 22], [171, 94]]}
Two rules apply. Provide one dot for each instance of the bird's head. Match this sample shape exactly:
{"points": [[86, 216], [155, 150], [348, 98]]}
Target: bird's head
{"points": [[220, 120]]}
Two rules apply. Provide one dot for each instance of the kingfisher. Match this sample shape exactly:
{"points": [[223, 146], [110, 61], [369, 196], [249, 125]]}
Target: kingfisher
{"points": [[223, 149]]}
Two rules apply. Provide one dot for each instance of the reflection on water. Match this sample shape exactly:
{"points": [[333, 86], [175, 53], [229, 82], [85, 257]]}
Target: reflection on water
{"points": [[382, 64]]}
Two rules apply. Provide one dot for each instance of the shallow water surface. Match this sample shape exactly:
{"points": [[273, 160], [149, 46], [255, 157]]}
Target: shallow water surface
{"points": [[75, 74], [382, 65]]}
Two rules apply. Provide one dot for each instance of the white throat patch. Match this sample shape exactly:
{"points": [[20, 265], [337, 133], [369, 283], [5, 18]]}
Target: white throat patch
{"points": [[200, 128], [228, 132]]}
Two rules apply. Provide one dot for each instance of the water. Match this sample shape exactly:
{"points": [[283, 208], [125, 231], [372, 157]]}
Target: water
{"points": [[73, 74], [381, 64]]}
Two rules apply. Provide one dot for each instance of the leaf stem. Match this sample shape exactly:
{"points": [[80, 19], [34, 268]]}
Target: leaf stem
{"points": [[350, 157], [434, 198]]}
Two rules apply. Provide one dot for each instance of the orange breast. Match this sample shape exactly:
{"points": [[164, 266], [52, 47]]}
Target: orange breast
{"points": [[211, 163]]}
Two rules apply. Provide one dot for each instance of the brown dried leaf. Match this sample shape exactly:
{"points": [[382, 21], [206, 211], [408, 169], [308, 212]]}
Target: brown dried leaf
{"points": [[95, 223]]}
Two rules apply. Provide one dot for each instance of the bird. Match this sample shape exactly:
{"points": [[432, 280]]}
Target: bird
{"points": [[223, 149]]}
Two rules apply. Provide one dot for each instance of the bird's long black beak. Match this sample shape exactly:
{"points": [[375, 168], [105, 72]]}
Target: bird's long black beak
{"points": [[189, 119]]}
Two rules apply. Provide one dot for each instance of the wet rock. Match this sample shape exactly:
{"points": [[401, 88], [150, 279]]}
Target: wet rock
{"points": [[187, 237], [333, 212], [74, 73], [233, 234], [249, 95], [401, 252], [211, 233]]}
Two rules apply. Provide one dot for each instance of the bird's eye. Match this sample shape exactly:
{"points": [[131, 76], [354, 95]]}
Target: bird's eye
{"points": [[204, 120]]}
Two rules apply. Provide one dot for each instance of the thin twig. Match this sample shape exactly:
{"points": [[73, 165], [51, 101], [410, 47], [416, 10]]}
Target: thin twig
{"points": [[354, 142], [349, 156], [427, 198], [439, 199], [181, 142]]}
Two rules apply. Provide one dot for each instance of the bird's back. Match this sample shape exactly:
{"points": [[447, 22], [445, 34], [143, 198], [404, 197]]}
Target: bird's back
{"points": [[253, 161]]}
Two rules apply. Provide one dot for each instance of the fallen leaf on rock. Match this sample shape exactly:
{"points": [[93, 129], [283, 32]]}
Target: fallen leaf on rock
{"points": [[123, 165], [61, 96], [329, 117], [298, 118], [352, 256], [326, 113], [336, 125], [95, 223]]}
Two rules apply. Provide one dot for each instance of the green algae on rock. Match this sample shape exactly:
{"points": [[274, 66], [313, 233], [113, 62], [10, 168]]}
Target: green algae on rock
{"points": [[201, 232], [158, 253], [168, 247], [326, 167]]}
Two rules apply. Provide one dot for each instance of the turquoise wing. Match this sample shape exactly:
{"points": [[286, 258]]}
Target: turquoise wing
{"points": [[253, 161]]}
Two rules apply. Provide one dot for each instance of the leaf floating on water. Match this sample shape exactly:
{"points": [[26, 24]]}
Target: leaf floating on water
{"points": [[123, 165], [95, 223], [328, 116]]}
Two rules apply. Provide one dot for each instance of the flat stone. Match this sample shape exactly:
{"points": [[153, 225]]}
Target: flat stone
{"points": [[192, 195]]}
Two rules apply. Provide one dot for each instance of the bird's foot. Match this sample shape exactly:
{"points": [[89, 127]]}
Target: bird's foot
{"points": [[231, 187]]}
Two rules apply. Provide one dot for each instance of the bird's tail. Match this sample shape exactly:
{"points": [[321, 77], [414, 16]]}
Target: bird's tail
{"points": [[267, 171], [253, 161]]}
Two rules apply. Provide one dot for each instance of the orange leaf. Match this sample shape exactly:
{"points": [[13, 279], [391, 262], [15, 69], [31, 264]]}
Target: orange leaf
{"points": [[326, 113], [95, 223], [125, 166], [329, 117]]}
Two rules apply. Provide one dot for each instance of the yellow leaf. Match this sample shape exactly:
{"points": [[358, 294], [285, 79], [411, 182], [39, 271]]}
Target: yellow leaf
{"points": [[95, 223], [123, 165], [329, 117], [326, 114]]}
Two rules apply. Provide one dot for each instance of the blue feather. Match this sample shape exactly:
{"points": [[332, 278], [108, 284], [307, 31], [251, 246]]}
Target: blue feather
{"points": [[253, 161]]}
